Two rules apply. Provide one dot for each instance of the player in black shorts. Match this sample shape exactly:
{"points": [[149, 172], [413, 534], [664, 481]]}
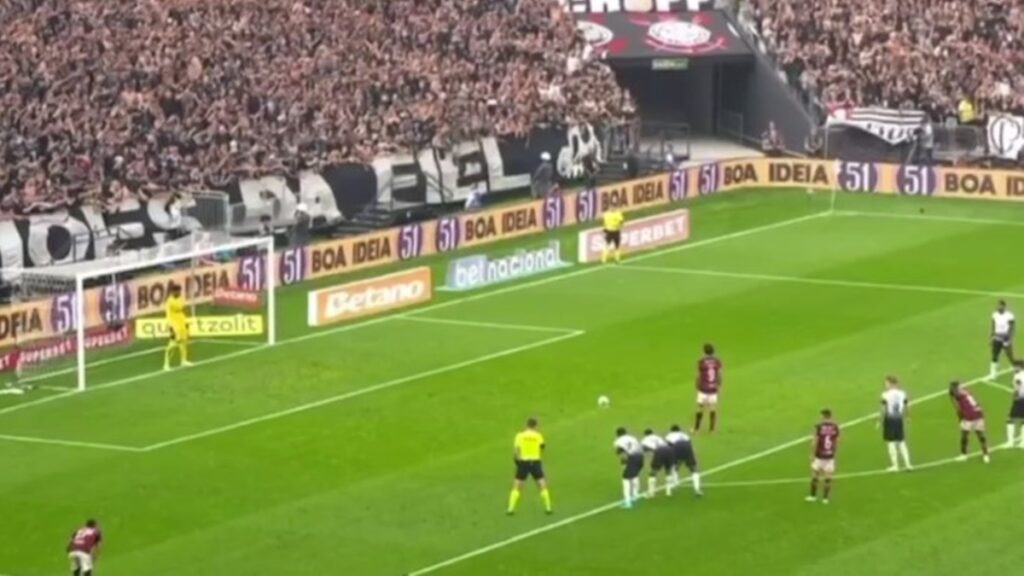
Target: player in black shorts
{"points": [[662, 460], [528, 449], [1004, 325], [683, 454], [613, 220], [1016, 419]]}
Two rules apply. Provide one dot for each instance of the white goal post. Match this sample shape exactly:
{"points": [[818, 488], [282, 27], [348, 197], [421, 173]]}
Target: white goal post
{"points": [[86, 273]]}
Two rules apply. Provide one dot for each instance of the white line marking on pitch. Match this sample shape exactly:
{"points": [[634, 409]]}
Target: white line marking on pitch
{"points": [[616, 504], [1000, 386], [819, 281], [69, 443], [930, 217], [361, 392], [846, 476], [494, 325], [320, 334]]}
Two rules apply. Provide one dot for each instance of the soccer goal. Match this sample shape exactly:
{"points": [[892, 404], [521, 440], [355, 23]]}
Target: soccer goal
{"points": [[103, 320]]}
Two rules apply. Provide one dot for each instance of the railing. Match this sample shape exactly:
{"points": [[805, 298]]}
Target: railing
{"points": [[663, 138], [954, 144]]}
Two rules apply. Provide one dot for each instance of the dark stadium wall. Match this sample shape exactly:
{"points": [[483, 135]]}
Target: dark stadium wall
{"points": [[755, 91], [674, 96]]}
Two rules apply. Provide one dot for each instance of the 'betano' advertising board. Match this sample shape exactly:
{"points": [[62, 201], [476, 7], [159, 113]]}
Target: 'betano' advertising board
{"points": [[54, 317]]}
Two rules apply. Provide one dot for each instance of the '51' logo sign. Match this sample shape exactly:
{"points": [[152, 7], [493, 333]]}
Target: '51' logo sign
{"points": [[63, 313]]}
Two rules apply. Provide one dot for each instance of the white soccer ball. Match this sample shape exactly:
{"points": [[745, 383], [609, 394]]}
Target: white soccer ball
{"points": [[603, 401]]}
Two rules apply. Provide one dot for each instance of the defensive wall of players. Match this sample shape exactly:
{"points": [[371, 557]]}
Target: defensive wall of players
{"points": [[113, 304]]}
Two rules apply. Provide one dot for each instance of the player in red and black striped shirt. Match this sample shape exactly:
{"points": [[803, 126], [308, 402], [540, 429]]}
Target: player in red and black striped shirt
{"points": [[709, 382], [972, 419], [824, 446]]}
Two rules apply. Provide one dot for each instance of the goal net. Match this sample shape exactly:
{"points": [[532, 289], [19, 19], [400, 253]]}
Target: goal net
{"points": [[103, 321]]}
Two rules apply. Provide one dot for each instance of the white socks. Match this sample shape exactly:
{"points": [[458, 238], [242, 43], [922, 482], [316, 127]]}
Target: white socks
{"points": [[905, 452], [695, 478], [1011, 433], [993, 369], [627, 492], [897, 450], [636, 488], [652, 486]]}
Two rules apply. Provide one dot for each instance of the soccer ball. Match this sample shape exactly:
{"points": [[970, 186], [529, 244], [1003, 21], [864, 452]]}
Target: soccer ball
{"points": [[603, 401]]}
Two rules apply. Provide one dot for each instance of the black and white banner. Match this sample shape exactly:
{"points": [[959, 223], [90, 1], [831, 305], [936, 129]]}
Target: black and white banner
{"points": [[893, 126], [336, 193], [1005, 136], [85, 232], [635, 6], [484, 166]]}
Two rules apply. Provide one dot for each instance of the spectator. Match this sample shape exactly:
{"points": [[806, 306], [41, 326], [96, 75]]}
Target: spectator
{"points": [[543, 177], [921, 54], [475, 198], [965, 111], [104, 96], [771, 141], [631, 166], [926, 143], [301, 228], [814, 144]]}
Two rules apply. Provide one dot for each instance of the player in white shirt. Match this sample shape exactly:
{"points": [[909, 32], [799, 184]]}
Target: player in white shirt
{"points": [[661, 461], [895, 410], [1003, 326], [682, 449], [631, 454], [1017, 408]]}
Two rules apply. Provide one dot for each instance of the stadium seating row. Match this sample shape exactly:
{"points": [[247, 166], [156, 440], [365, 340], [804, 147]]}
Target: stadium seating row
{"points": [[104, 99]]}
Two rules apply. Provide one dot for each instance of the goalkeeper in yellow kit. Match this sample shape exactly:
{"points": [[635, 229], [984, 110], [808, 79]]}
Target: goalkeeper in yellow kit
{"points": [[177, 321]]}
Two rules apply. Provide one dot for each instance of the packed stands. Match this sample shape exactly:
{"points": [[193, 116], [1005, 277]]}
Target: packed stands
{"points": [[940, 56], [105, 99]]}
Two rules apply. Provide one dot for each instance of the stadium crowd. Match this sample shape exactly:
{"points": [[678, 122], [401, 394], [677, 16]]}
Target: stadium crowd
{"points": [[105, 99], [930, 55]]}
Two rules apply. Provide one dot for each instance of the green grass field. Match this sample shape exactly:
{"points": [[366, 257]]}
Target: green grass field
{"points": [[384, 448]]}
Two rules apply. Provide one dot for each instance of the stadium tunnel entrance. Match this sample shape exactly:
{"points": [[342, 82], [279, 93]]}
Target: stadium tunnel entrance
{"points": [[695, 75]]}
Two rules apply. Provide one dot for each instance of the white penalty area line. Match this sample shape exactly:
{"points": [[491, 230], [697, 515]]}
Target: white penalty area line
{"points": [[848, 475], [361, 392], [573, 273], [803, 440], [491, 325], [1000, 386], [820, 281]]}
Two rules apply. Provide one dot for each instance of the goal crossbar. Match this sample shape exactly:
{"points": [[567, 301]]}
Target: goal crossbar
{"points": [[264, 244]]}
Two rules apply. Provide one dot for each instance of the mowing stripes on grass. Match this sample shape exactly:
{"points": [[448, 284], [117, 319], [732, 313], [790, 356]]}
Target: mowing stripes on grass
{"points": [[360, 392], [495, 325], [425, 309], [821, 281], [929, 217], [615, 505]]}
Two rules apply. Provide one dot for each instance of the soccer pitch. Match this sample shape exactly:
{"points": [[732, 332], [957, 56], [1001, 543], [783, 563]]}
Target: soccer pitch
{"points": [[383, 447]]}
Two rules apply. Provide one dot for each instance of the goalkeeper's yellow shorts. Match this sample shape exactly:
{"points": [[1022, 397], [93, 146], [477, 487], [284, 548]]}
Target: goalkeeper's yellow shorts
{"points": [[179, 332]]}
